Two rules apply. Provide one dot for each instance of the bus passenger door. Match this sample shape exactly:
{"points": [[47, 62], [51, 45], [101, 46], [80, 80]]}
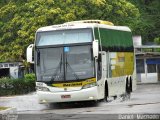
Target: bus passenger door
{"points": [[102, 73]]}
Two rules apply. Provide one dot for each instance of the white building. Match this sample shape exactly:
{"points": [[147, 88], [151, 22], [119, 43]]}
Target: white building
{"points": [[11, 69], [148, 63]]}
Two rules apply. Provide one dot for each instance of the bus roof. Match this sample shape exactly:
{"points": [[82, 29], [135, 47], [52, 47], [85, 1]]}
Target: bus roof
{"points": [[84, 24], [92, 21]]}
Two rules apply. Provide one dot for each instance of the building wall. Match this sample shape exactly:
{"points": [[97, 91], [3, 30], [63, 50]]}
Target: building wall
{"points": [[147, 72], [11, 70]]}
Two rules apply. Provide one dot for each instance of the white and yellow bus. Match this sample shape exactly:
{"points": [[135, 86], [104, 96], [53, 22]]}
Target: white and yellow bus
{"points": [[83, 61]]}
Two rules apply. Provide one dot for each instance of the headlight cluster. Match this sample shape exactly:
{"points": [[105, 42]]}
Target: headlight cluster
{"points": [[89, 85], [42, 88]]}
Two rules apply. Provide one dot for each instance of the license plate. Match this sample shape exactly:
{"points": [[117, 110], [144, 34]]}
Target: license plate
{"points": [[65, 96]]}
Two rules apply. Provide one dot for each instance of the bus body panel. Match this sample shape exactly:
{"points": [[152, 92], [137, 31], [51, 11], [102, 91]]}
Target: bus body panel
{"points": [[117, 59], [116, 86], [80, 95], [101, 88]]}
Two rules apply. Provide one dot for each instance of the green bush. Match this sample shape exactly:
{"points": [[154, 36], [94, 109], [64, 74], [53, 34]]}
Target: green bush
{"points": [[17, 86], [29, 76]]}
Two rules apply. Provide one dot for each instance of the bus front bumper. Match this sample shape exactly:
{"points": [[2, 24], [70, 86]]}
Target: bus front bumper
{"points": [[81, 95]]}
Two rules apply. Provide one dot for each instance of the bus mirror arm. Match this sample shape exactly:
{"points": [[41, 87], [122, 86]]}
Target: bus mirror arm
{"points": [[95, 49]]}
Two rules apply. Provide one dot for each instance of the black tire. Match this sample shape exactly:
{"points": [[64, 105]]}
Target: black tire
{"points": [[130, 84], [106, 92], [127, 86], [127, 95]]}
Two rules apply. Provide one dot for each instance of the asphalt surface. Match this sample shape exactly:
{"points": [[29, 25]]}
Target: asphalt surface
{"points": [[145, 100]]}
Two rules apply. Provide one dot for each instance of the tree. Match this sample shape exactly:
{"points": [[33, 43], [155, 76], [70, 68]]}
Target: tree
{"points": [[149, 22], [20, 19]]}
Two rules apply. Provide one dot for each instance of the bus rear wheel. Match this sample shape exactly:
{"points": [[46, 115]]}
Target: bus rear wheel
{"points": [[128, 89], [127, 86], [130, 85]]}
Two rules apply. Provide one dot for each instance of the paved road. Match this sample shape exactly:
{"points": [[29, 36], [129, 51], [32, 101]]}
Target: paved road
{"points": [[145, 100]]}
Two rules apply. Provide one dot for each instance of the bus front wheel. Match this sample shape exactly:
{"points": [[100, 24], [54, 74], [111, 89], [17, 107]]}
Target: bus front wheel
{"points": [[106, 92]]}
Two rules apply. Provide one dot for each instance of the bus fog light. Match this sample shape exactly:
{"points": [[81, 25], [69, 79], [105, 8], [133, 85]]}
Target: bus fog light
{"points": [[43, 101], [42, 89], [91, 97]]}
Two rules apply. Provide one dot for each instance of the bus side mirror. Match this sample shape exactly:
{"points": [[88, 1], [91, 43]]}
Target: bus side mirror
{"points": [[95, 48], [30, 54]]}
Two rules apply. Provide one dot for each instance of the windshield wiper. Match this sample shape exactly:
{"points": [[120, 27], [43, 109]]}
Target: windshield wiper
{"points": [[75, 75], [55, 74], [58, 76]]}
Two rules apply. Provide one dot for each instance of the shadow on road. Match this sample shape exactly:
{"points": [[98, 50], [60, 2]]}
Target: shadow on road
{"points": [[69, 105]]}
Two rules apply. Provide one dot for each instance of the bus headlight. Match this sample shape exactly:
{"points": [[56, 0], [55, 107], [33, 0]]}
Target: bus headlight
{"points": [[89, 85], [42, 89]]}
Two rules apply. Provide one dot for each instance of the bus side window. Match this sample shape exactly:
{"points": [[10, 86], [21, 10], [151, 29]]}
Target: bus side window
{"points": [[99, 67]]}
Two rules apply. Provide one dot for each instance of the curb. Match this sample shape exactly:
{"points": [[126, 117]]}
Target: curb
{"points": [[9, 114], [139, 83]]}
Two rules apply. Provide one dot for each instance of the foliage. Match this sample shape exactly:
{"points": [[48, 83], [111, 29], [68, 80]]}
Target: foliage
{"points": [[157, 40], [30, 76], [20, 19], [17, 86], [148, 25]]}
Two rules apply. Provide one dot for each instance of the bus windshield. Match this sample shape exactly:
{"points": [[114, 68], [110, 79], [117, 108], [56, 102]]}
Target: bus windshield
{"points": [[60, 37], [65, 63]]}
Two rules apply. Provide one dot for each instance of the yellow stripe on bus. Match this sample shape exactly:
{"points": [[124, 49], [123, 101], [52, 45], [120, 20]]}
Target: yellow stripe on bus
{"points": [[75, 84]]}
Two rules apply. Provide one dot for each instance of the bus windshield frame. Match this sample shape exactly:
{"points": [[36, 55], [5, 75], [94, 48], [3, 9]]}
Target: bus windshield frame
{"points": [[75, 61]]}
